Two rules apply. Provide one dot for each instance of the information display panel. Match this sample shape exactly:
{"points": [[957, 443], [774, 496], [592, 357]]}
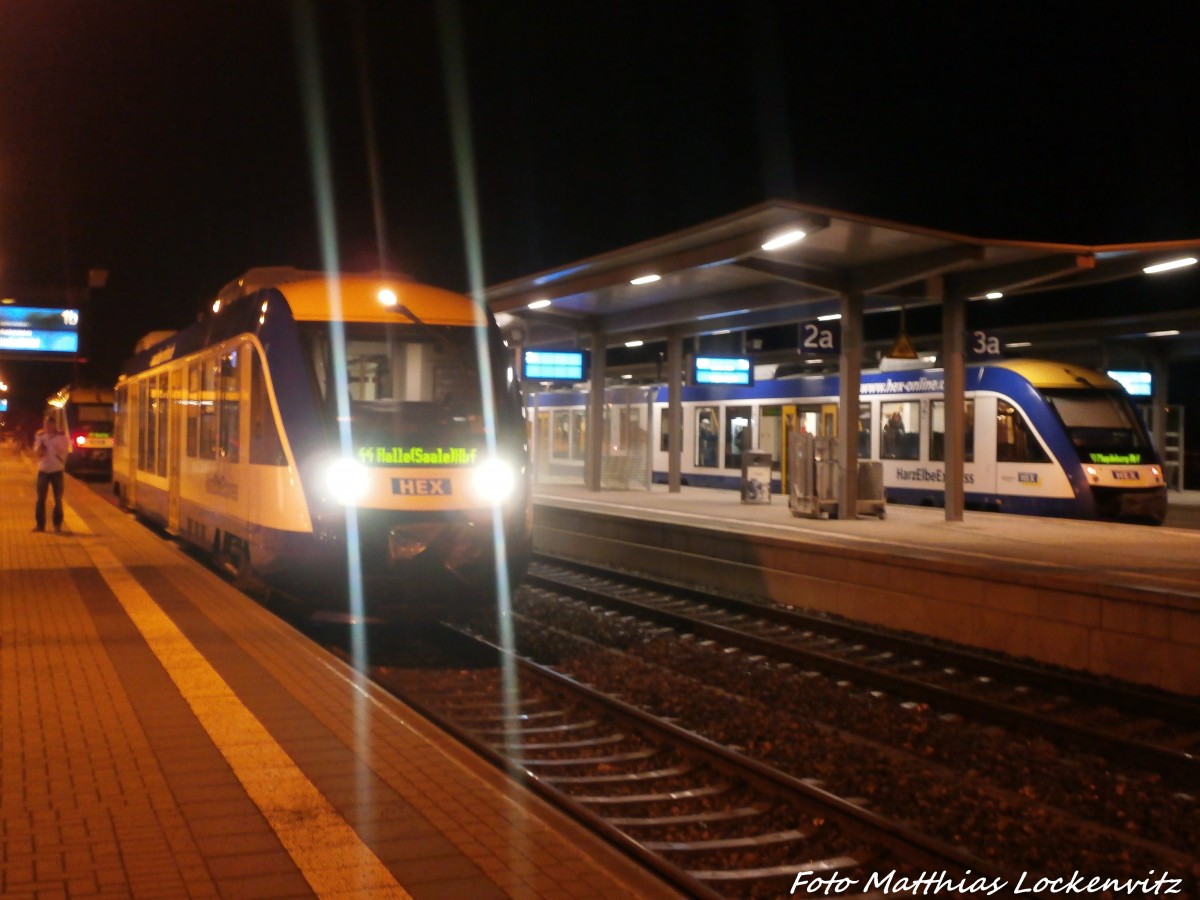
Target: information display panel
{"points": [[722, 370], [35, 330], [1136, 384], [567, 366]]}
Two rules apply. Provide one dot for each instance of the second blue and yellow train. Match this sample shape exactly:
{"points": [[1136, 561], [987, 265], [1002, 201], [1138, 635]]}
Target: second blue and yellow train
{"points": [[1042, 438]]}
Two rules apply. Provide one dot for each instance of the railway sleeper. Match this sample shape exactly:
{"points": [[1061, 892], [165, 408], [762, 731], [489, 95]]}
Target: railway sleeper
{"points": [[627, 777], [832, 864], [713, 790], [718, 815], [740, 843]]}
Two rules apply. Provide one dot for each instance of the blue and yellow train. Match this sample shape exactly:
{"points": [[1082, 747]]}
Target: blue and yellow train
{"points": [[1042, 438], [354, 440]]}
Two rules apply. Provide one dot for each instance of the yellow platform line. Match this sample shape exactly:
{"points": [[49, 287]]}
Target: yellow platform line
{"points": [[72, 520], [330, 855]]}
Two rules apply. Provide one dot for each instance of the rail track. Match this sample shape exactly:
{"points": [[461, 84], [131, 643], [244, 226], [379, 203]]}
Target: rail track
{"points": [[1013, 784], [1141, 728], [709, 819]]}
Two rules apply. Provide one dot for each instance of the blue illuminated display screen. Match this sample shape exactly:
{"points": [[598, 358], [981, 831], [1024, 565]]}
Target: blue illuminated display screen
{"points": [[3, 404], [30, 329], [556, 365], [1136, 384], [723, 370]]}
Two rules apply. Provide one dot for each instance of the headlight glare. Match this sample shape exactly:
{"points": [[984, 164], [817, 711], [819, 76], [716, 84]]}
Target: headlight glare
{"points": [[494, 481], [347, 480]]}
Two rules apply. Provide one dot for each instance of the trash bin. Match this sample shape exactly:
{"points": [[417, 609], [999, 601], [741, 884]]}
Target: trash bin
{"points": [[812, 475], [872, 501], [756, 476]]}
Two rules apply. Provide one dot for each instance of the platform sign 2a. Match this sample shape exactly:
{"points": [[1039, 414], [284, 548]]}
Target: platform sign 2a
{"points": [[821, 337]]}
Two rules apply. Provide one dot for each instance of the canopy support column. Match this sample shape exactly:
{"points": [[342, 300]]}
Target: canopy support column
{"points": [[850, 372], [954, 326], [674, 411], [594, 461]]}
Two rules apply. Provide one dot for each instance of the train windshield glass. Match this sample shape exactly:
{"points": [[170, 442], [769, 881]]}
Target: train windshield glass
{"points": [[93, 416], [1102, 424], [413, 386]]}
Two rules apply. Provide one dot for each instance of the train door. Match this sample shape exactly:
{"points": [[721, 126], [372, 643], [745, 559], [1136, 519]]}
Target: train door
{"points": [[175, 423], [230, 479], [826, 425], [773, 425], [982, 456], [219, 444]]}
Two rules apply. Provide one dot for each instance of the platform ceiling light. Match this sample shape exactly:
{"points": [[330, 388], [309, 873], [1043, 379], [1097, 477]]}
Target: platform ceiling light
{"points": [[645, 279], [539, 304], [627, 377], [633, 343], [1169, 333], [1018, 344], [387, 297], [8, 301], [832, 317], [216, 307], [784, 240], [1168, 266], [993, 295]]}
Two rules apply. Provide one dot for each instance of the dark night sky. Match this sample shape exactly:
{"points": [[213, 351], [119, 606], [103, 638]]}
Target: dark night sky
{"points": [[168, 143]]}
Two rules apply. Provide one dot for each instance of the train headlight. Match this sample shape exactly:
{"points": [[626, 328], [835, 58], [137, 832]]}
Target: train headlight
{"points": [[1093, 474], [347, 480], [494, 481]]}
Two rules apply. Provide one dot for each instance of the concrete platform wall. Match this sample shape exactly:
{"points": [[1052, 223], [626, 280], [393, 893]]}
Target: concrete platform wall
{"points": [[1146, 637]]}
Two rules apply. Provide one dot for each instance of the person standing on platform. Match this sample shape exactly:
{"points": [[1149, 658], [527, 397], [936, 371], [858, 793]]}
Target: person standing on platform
{"points": [[51, 447]]}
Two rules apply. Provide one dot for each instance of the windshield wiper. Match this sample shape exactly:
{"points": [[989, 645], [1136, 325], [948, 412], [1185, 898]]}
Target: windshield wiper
{"points": [[424, 328]]}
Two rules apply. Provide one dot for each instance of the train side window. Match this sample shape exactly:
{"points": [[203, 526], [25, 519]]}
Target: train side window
{"points": [[664, 429], [737, 435], [770, 432], [192, 405], [208, 410], [706, 437], [162, 413], [561, 446], [1015, 440], [229, 415], [937, 433], [864, 431], [144, 422], [901, 436], [578, 434], [265, 446]]}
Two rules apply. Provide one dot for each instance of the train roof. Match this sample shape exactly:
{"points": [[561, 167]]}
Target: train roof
{"points": [[320, 297], [1046, 374]]}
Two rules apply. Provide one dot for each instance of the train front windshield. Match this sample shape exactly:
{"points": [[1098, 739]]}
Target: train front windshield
{"points": [[419, 386], [1101, 424], [93, 417]]}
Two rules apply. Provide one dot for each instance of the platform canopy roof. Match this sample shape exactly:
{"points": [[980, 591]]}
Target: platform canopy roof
{"points": [[718, 276]]}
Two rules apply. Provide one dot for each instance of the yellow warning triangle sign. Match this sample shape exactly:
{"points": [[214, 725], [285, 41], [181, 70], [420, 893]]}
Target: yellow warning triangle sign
{"points": [[903, 348]]}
